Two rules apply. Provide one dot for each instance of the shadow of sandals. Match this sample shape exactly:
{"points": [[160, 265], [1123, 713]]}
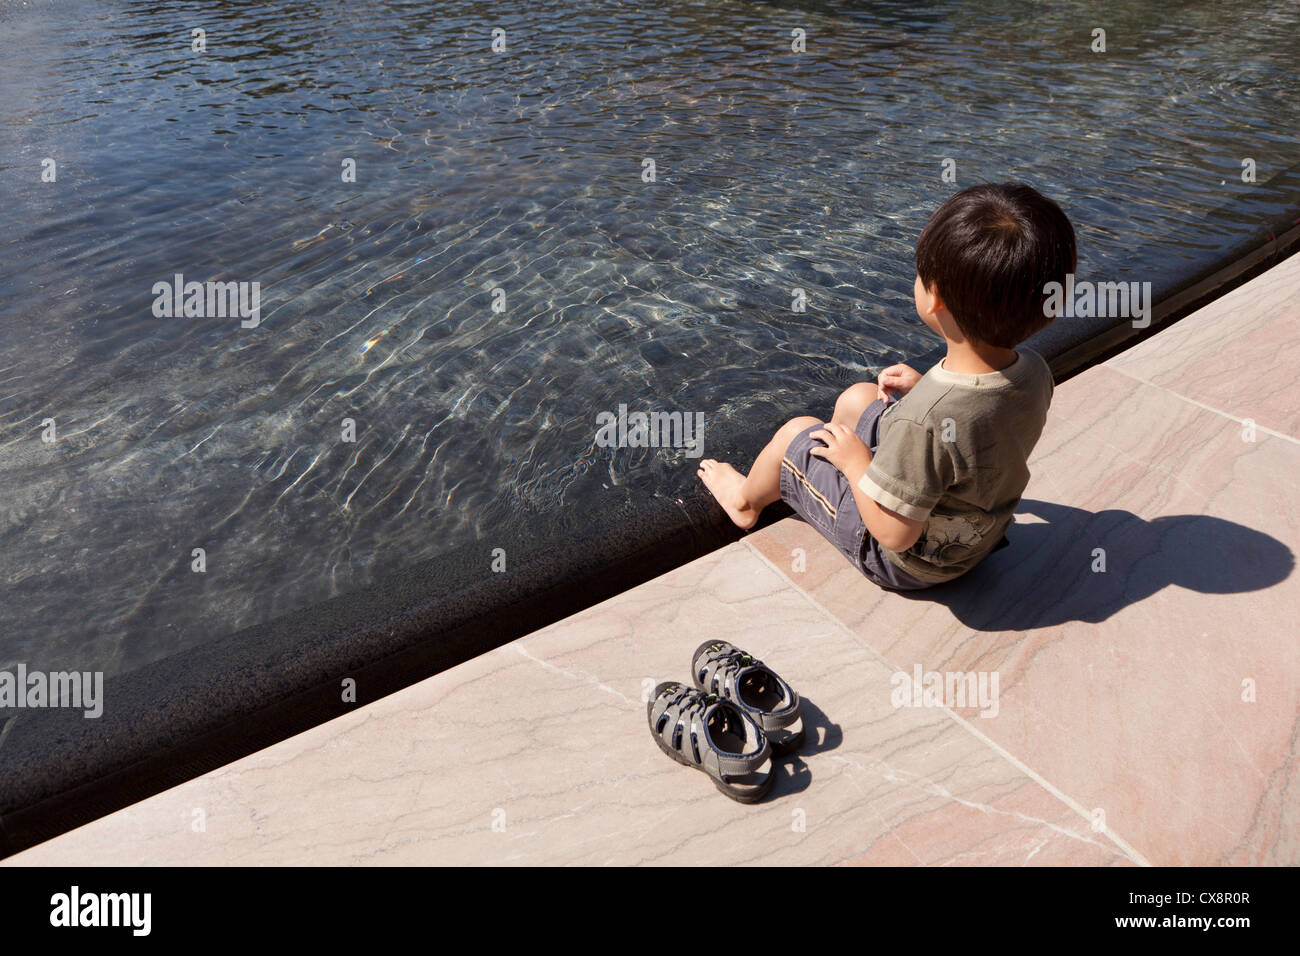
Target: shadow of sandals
{"points": [[820, 734]]}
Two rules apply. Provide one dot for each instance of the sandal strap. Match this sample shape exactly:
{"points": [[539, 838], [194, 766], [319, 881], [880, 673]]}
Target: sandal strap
{"points": [[733, 763], [728, 665], [691, 709], [738, 766], [686, 708], [722, 665]]}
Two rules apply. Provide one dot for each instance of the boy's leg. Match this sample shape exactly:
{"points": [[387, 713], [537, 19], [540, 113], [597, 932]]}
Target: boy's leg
{"points": [[853, 401], [744, 496]]}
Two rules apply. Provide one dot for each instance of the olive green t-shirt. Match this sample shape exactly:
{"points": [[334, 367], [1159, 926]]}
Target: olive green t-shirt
{"points": [[953, 453]]}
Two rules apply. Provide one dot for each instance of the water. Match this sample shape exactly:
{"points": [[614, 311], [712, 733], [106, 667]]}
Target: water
{"points": [[519, 171]]}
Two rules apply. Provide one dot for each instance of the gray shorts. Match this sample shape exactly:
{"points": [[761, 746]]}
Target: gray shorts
{"points": [[821, 495]]}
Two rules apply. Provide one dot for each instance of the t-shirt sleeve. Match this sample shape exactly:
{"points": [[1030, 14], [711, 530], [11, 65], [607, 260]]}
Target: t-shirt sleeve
{"points": [[909, 472]]}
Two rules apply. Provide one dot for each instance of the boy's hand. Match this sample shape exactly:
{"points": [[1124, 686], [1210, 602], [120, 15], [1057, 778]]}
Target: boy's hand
{"points": [[844, 449], [897, 380]]}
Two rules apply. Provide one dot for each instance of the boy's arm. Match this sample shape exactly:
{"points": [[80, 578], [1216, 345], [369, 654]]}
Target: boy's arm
{"points": [[849, 453], [891, 529]]}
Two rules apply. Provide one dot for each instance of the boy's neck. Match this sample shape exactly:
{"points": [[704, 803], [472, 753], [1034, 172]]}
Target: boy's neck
{"points": [[970, 358]]}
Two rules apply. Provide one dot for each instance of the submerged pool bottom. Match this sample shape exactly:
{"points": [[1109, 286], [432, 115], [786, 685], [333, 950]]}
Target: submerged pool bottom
{"points": [[188, 714]]}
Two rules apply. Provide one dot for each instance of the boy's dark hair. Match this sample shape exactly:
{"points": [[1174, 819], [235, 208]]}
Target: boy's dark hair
{"points": [[991, 250]]}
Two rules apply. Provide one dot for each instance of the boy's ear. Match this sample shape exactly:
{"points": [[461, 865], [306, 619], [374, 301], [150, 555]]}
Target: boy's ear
{"points": [[936, 300]]}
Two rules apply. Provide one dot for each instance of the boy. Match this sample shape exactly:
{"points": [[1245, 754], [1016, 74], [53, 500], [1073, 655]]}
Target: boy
{"points": [[916, 477]]}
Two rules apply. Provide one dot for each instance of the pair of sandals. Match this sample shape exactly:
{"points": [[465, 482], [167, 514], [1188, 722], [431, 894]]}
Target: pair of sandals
{"points": [[737, 717]]}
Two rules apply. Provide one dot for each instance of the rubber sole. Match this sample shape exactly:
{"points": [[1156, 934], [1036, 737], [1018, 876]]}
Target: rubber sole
{"points": [[743, 796]]}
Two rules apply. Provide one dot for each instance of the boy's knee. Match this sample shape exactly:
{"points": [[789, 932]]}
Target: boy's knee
{"points": [[863, 393], [795, 425], [853, 401]]}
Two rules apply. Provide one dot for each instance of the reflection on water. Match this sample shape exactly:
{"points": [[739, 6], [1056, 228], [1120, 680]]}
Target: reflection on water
{"points": [[522, 172]]}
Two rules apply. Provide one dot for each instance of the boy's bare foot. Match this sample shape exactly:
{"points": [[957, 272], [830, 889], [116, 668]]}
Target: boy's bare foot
{"points": [[724, 483]]}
